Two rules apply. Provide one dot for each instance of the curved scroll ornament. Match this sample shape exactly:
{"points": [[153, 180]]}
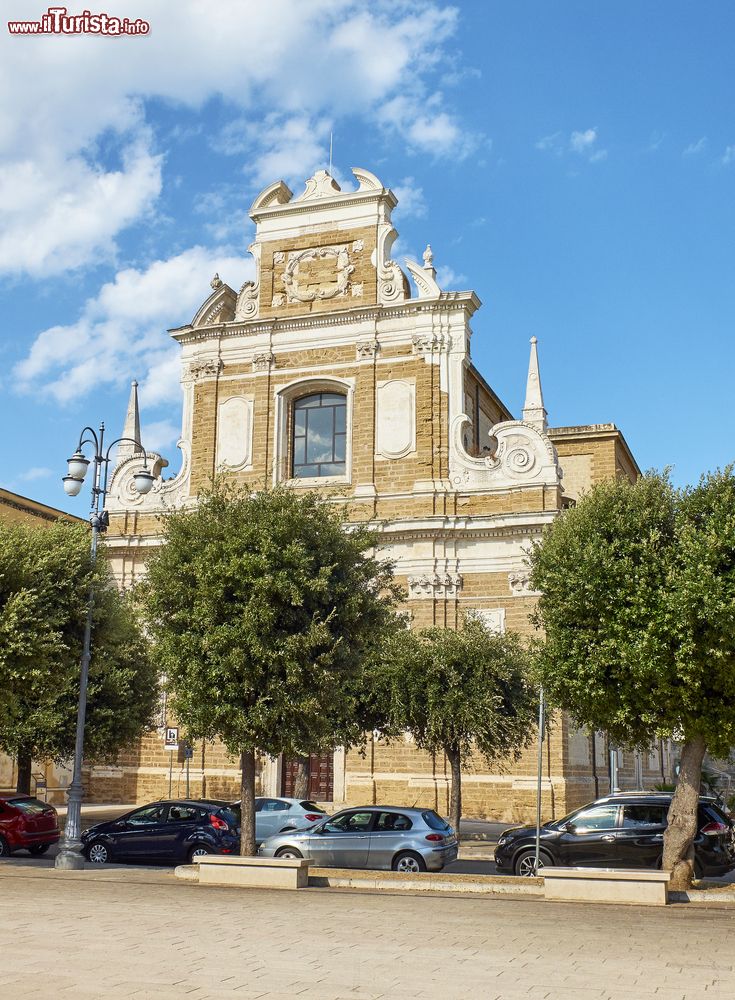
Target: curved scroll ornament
{"points": [[517, 453], [248, 298], [392, 283], [164, 492]]}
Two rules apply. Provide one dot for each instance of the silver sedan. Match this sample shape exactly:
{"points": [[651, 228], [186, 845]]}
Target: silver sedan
{"points": [[375, 837]]}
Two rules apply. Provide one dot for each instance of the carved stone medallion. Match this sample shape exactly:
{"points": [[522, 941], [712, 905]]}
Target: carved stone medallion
{"points": [[317, 273]]}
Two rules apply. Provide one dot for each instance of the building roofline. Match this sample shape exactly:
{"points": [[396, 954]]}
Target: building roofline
{"points": [[591, 431], [488, 388], [29, 506]]}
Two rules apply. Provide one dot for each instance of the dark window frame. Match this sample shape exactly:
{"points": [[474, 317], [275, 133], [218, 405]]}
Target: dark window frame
{"points": [[334, 466]]}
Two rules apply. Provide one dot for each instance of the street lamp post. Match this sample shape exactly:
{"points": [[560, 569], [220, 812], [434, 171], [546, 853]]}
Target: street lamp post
{"points": [[69, 856]]}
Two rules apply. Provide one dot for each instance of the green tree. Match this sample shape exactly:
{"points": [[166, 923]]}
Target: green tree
{"points": [[638, 608], [266, 611], [458, 691], [45, 575]]}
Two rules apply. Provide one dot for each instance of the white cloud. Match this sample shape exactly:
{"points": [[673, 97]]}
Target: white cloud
{"points": [[411, 202], [551, 143], [583, 143], [121, 333], [695, 147], [55, 212], [655, 141], [728, 156], [78, 156], [449, 279], [37, 472], [160, 435]]}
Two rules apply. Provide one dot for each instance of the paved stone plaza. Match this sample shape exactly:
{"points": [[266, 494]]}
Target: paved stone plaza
{"points": [[139, 934]]}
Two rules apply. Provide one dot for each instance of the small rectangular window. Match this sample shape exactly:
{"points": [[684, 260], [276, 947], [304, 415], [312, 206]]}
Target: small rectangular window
{"points": [[643, 817]]}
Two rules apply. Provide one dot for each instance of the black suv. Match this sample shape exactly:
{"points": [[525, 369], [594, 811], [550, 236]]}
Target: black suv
{"points": [[619, 831], [165, 831]]}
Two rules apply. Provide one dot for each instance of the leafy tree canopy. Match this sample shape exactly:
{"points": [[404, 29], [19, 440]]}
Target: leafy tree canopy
{"points": [[458, 691], [638, 609], [265, 609], [45, 576]]}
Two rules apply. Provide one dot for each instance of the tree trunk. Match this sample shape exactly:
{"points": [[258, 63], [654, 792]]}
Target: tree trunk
{"points": [[455, 795], [24, 761], [678, 857], [301, 781], [247, 804]]}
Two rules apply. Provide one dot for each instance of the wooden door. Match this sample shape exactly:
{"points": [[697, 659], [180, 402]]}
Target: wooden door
{"points": [[321, 777]]}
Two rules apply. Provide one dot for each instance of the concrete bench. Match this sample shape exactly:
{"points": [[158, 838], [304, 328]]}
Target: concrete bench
{"points": [[255, 873], [607, 885]]}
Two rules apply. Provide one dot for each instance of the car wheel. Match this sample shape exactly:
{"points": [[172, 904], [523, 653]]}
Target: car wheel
{"points": [[5, 851], [408, 863], [198, 851], [39, 849], [525, 863], [289, 852], [98, 853]]}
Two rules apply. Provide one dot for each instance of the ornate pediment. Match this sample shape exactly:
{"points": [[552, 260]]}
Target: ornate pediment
{"points": [[219, 307]]}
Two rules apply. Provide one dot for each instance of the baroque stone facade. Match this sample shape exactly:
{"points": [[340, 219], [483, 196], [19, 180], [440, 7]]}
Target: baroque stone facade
{"points": [[420, 445]]}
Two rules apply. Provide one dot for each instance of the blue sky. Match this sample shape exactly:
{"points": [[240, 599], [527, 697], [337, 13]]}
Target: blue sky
{"points": [[573, 162]]}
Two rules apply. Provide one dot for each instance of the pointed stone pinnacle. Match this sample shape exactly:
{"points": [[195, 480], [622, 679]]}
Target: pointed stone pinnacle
{"points": [[534, 411]]}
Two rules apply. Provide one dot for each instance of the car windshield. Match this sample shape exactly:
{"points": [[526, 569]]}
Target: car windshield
{"points": [[435, 821], [30, 806], [312, 807]]}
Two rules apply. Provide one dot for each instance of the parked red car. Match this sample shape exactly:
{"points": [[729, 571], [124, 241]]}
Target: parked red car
{"points": [[27, 823]]}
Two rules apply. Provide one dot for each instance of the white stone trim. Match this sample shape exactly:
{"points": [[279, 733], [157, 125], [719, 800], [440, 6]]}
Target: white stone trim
{"points": [[284, 396], [231, 411], [395, 403]]}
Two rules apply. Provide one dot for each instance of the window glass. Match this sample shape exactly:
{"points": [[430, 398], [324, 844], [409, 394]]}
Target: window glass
{"points": [[350, 823], [147, 816], [643, 817], [390, 821], [32, 807], [319, 439], [435, 821], [599, 818], [275, 805], [183, 814], [311, 807]]}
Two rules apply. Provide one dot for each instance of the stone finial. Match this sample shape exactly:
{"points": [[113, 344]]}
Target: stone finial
{"points": [[131, 428], [428, 256], [534, 411], [321, 185], [216, 282]]}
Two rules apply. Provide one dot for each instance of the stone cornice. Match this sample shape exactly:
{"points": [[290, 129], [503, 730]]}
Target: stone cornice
{"points": [[468, 302], [343, 199]]}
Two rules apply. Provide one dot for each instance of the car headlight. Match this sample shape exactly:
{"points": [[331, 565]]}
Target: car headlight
{"points": [[502, 841]]}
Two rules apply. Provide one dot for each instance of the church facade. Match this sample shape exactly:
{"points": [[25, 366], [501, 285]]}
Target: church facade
{"points": [[339, 369]]}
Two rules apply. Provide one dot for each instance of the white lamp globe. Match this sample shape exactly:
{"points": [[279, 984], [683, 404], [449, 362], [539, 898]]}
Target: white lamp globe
{"points": [[78, 466], [72, 485], [143, 481]]}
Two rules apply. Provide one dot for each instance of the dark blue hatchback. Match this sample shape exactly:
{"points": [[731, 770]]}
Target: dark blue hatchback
{"points": [[173, 831]]}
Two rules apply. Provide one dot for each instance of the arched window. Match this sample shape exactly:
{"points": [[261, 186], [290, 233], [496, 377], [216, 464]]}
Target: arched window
{"points": [[319, 436]]}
